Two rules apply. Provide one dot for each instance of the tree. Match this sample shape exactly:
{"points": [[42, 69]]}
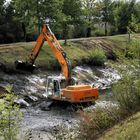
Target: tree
{"points": [[91, 10], [133, 26], [10, 117], [1, 10], [34, 13], [124, 15], [106, 13], [9, 13], [71, 15]]}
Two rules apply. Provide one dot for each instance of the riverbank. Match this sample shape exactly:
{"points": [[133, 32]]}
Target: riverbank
{"points": [[79, 51], [128, 129]]}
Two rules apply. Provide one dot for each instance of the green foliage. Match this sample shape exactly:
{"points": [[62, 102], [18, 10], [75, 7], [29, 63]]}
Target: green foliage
{"points": [[10, 117], [34, 13], [71, 15], [90, 9], [99, 33], [128, 129], [97, 121], [68, 18], [133, 49], [127, 93], [133, 25], [124, 18], [2, 11], [106, 13], [97, 57]]}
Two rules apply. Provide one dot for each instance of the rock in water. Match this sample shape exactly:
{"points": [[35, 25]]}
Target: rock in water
{"points": [[45, 106], [30, 98], [22, 103]]}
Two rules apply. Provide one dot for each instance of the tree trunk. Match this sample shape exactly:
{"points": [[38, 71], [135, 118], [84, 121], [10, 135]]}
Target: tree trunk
{"points": [[129, 37], [105, 28], [38, 25], [24, 30], [65, 33], [65, 41], [38, 17], [88, 32]]}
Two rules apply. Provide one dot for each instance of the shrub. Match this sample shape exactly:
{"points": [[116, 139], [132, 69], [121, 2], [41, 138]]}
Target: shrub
{"points": [[127, 90], [97, 121], [10, 117], [97, 57], [133, 49], [127, 93], [99, 33]]}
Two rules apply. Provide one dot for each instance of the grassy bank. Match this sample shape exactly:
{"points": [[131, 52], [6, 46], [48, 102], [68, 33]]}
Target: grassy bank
{"points": [[126, 130], [82, 51]]}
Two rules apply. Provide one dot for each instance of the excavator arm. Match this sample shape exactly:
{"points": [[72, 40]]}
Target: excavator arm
{"points": [[47, 35]]}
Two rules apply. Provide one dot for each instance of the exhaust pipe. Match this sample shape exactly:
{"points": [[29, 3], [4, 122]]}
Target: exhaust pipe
{"points": [[24, 66]]}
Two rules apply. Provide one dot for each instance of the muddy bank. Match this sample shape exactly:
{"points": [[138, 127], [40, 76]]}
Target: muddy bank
{"points": [[48, 121]]}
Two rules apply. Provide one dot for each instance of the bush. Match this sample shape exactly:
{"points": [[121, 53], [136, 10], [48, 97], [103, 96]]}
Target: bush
{"points": [[99, 33], [97, 57], [127, 93], [133, 49], [10, 117], [127, 90], [97, 121]]}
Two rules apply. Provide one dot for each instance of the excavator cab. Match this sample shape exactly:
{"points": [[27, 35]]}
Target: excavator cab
{"points": [[57, 89], [56, 85], [53, 87]]}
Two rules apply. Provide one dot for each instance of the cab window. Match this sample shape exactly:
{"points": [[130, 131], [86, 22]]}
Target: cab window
{"points": [[56, 87]]}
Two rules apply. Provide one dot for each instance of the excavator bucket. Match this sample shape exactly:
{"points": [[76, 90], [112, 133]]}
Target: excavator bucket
{"points": [[24, 66]]}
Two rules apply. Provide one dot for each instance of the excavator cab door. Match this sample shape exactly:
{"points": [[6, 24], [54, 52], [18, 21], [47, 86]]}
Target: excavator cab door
{"points": [[53, 88], [56, 88]]}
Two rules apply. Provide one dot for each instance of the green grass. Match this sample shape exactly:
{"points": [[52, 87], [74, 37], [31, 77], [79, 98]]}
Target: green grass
{"points": [[78, 53], [45, 59], [122, 40], [127, 130]]}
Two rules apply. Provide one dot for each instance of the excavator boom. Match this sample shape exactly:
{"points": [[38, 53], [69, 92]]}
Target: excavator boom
{"points": [[47, 35]]}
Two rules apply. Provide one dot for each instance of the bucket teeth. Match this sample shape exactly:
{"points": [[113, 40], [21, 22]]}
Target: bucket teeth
{"points": [[24, 66]]}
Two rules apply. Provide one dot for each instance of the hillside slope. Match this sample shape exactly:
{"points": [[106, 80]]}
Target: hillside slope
{"points": [[126, 130], [79, 51]]}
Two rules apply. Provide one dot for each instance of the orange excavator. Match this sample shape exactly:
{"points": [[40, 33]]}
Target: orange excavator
{"points": [[62, 88]]}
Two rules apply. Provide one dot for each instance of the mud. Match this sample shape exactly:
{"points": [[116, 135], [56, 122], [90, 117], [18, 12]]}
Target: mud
{"points": [[102, 42]]}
